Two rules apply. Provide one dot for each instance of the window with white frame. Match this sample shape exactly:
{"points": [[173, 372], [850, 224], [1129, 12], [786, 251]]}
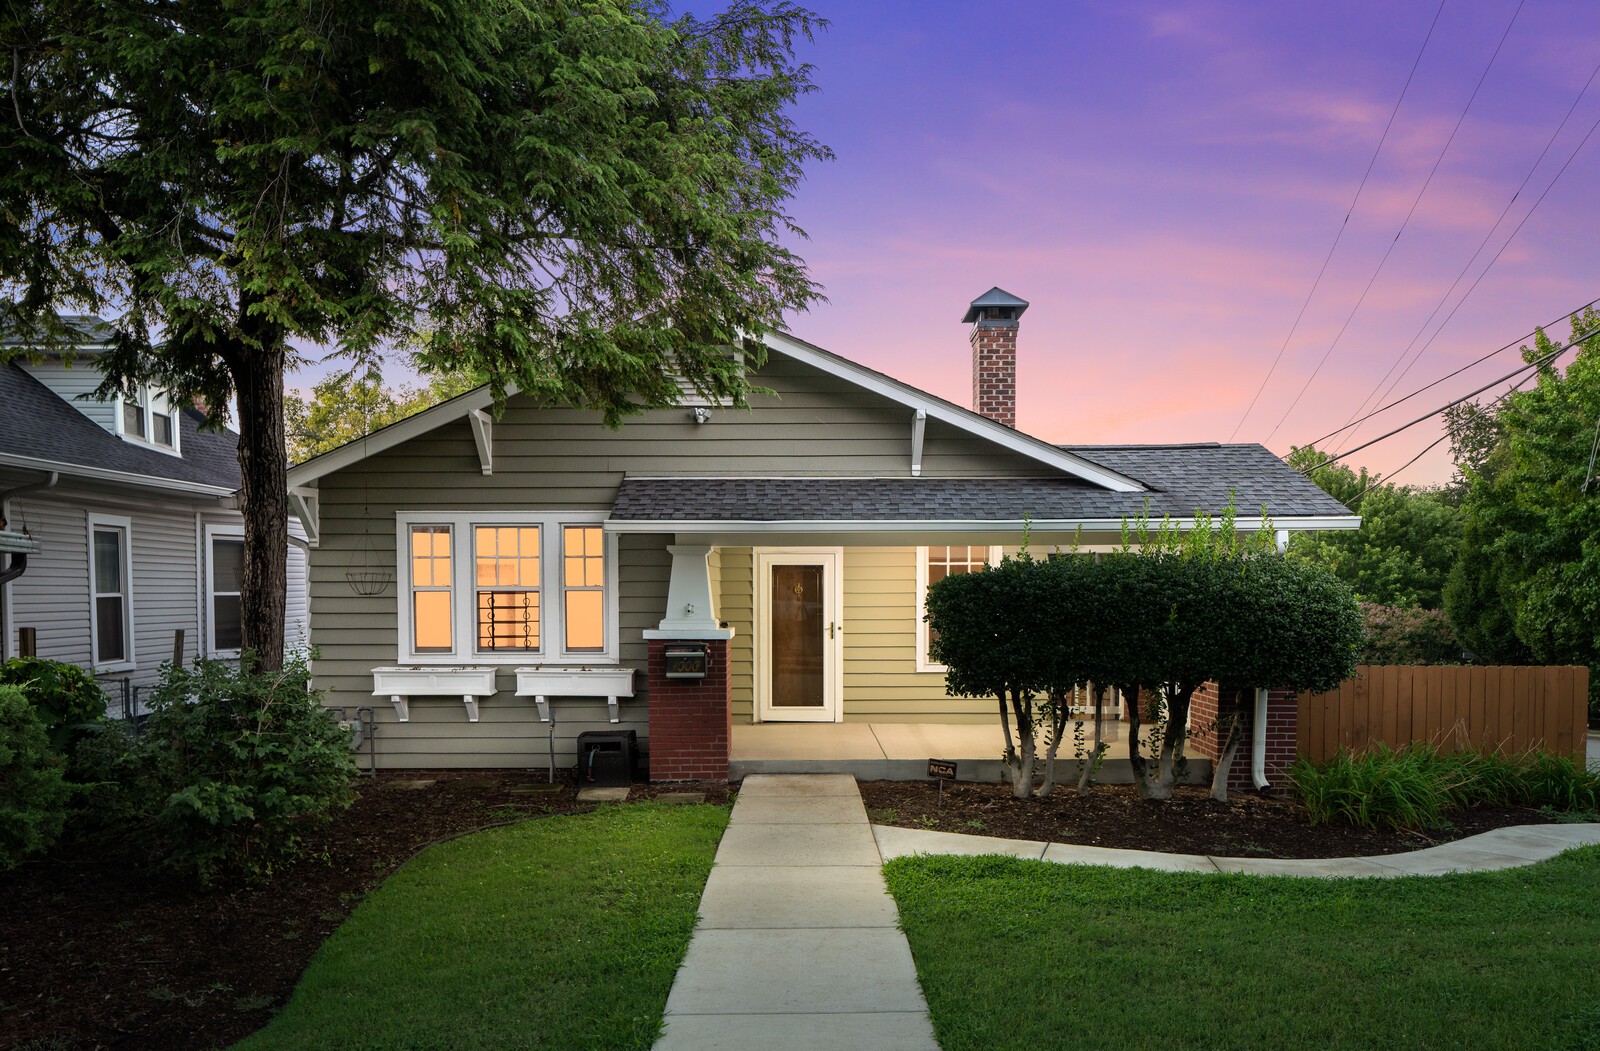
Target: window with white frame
{"points": [[224, 583], [149, 417], [933, 565], [110, 593], [475, 587]]}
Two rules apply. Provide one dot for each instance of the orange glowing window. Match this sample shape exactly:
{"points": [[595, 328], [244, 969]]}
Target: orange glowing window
{"points": [[583, 575], [431, 582], [507, 573]]}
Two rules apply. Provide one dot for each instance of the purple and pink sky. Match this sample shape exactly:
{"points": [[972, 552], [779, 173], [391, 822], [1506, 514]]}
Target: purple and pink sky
{"points": [[1162, 181]]}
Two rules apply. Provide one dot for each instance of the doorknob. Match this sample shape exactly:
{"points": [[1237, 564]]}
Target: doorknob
{"points": [[832, 627]]}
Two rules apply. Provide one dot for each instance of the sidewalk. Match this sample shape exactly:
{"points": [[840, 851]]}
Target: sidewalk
{"points": [[798, 945], [1501, 849]]}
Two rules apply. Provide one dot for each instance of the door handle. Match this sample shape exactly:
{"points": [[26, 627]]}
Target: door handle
{"points": [[832, 627]]}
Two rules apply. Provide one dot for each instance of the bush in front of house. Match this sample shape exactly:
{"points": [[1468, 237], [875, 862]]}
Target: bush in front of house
{"points": [[68, 700], [233, 768], [34, 793], [1401, 635], [1418, 786]]}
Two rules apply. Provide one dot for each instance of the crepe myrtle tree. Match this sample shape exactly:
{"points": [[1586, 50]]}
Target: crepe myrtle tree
{"points": [[1277, 623], [583, 202]]}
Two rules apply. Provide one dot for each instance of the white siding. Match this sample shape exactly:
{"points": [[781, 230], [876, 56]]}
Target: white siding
{"points": [[71, 383]]}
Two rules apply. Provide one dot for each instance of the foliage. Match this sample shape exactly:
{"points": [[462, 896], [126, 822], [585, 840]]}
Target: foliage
{"points": [[606, 900], [347, 406], [34, 793], [1401, 635], [1405, 547], [1482, 959], [1419, 785], [67, 698], [233, 768], [584, 200], [1529, 573]]}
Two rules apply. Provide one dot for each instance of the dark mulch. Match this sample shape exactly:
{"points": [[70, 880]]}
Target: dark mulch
{"points": [[95, 952], [1189, 823]]}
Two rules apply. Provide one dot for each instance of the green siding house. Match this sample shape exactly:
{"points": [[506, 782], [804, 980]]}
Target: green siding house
{"points": [[473, 578]]}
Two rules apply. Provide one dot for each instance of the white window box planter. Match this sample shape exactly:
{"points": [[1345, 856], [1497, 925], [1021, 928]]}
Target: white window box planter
{"points": [[400, 684], [544, 683]]}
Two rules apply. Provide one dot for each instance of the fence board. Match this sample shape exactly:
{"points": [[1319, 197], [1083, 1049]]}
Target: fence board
{"points": [[1507, 709]]}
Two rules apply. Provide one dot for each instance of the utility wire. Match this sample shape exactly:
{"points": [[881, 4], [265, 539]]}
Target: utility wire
{"points": [[1404, 223], [1535, 364], [1468, 266], [1342, 225], [1449, 375], [1588, 474]]}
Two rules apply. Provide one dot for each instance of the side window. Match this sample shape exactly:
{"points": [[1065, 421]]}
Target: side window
{"points": [[431, 589], [225, 582], [933, 565], [111, 608]]}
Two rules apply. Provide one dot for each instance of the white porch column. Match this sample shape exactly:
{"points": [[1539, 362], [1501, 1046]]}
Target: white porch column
{"points": [[690, 612]]}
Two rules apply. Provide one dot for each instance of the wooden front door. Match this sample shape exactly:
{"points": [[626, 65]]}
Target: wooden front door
{"points": [[799, 635]]}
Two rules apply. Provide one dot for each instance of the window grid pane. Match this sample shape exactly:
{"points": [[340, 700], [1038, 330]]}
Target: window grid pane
{"points": [[506, 568], [431, 589], [950, 561], [583, 577], [508, 620]]}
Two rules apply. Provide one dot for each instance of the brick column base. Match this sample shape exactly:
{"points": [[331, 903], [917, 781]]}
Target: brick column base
{"points": [[691, 720], [1282, 734]]}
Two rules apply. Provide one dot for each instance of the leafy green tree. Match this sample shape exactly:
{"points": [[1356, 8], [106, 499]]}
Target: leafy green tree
{"points": [[581, 200], [1529, 573], [1407, 543], [349, 405]]}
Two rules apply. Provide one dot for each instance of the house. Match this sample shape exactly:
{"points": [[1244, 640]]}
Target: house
{"points": [[122, 524], [702, 568]]}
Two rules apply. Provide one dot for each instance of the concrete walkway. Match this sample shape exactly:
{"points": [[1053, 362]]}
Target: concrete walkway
{"points": [[798, 947], [1503, 848]]}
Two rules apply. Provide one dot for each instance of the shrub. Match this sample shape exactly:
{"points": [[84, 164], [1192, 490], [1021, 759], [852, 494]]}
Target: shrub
{"points": [[1398, 635], [1416, 787], [67, 698], [33, 791], [235, 767]]}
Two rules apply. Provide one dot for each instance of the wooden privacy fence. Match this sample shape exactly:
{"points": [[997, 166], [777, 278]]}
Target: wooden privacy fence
{"points": [[1505, 708]]}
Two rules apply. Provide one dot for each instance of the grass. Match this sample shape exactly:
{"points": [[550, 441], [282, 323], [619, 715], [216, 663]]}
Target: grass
{"points": [[1024, 954], [561, 932], [1419, 785]]}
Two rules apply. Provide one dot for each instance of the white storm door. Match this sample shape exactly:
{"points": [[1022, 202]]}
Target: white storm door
{"points": [[799, 634]]}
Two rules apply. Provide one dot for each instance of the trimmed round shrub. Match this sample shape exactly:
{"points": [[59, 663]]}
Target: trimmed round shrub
{"points": [[34, 793]]}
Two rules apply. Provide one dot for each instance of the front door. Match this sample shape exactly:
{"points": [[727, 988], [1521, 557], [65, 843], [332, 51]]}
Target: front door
{"points": [[799, 634]]}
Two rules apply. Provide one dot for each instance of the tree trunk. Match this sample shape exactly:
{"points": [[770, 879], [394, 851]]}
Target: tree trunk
{"points": [[1136, 760], [1022, 774], [1008, 758], [1096, 696], [1234, 721], [1060, 710], [1172, 739], [264, 499]]}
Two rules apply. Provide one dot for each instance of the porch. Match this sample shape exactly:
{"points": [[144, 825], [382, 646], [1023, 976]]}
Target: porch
{"points": [[881, 751]]}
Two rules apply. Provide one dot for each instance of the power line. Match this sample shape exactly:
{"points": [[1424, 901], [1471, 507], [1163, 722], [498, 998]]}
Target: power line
{"points": [[1449, 375], [1404, 223], [1535, 364], [1468, 266], [1342, 225]]}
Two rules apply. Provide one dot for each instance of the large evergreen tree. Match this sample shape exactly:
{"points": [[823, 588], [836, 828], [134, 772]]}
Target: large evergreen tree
{"points": [[580, 200]]}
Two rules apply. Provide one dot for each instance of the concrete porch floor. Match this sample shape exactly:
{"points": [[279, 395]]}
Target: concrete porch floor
{"points": [[900, 751]]}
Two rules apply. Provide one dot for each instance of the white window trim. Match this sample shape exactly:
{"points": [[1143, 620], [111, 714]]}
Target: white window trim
{"points": [[923, 663], [464, 629], [125, 526], [209, 611], [148, 396]]}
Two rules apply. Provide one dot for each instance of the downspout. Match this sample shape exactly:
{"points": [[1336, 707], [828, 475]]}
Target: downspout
{"points": [[1258, 743]]}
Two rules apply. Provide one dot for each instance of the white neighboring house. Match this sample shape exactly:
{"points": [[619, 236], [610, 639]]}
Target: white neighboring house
{"points": [[122, 517]]}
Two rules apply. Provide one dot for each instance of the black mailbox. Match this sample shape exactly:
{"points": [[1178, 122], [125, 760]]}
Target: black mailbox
{"points": [[685, 661]]}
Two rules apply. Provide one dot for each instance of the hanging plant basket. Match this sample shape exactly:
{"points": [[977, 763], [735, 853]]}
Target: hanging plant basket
{"points": [[367, 575]]}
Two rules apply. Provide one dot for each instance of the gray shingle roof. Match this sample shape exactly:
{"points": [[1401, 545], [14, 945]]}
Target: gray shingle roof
{"points": [[36, 422], [1181, 480]]}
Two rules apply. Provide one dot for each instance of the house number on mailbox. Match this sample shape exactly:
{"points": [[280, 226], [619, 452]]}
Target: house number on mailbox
{"points": [[685, 662]]}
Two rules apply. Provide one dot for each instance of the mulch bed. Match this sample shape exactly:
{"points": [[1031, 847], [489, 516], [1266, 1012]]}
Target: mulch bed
{"points": [[97, 953], [1189, 823]]}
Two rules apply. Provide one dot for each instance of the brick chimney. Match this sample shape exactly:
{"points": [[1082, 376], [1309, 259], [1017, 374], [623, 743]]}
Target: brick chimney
{"points": [[993, 317]]}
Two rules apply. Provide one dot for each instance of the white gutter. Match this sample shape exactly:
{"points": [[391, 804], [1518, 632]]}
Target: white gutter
{"points": [[100, 474], [1036, 525], [1258, 743]]}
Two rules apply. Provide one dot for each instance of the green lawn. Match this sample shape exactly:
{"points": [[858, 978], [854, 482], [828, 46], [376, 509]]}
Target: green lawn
{"points": [[561, 932], [1029, 955]]}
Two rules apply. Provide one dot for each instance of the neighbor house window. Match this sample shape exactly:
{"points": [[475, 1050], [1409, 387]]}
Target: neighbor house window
{"points": [[493, 597], [148, 416], [933, 565], [224, 584], [110, 585]]}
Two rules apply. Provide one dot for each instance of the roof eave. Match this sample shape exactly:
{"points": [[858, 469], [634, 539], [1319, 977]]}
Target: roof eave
{"points": [[124, 478], [1296, 523]]}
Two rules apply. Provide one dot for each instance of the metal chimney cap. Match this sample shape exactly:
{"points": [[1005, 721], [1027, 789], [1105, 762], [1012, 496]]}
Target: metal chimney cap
{"points": [[995, 306]]}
